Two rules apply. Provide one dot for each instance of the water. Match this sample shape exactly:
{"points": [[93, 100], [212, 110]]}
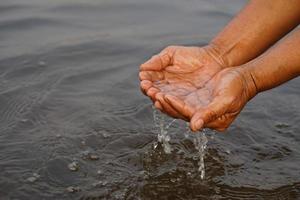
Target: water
{"points": [[163, 135], [200, 142], [162, 126], [69, 92]]}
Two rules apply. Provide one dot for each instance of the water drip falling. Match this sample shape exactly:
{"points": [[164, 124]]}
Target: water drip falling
{"points": [[199, 139], [200, 142], [162, 130]]}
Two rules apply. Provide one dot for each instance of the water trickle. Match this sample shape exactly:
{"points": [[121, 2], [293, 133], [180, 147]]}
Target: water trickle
{"points": [[162, 130], [199, 139], [200, 142]]}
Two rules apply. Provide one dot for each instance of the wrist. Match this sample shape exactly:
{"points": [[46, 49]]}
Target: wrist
{"points": [[250, 80], [214, 51]]}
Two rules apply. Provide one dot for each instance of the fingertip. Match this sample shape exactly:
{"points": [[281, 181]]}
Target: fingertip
{"points": [[143, 76], [221, 130], [152, 92], [153, 63], [146, 84], [196, 125], [158, 105]]}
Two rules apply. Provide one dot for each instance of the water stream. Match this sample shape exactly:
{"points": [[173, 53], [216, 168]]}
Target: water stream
{"points": [[199, 139]]}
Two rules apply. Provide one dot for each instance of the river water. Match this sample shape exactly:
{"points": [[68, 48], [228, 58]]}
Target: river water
{"points": [[74, 125]]}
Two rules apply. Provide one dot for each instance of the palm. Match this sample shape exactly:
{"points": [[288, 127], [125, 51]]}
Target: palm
{"points": [[177, 71], [216, 104]]}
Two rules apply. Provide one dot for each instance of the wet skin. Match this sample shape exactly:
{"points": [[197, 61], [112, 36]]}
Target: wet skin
{"points": [[179, 71], [194, 89], [209, 86]]}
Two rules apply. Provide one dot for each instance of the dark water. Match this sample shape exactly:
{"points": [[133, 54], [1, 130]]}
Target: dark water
{"points": [[69, 93]]}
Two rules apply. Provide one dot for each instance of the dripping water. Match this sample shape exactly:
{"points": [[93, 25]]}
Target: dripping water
{"points": [[199, 139], [162, 127], [200, 142]]}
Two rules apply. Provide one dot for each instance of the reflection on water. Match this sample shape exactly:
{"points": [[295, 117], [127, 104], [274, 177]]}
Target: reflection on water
{"points": [[74, 125]]}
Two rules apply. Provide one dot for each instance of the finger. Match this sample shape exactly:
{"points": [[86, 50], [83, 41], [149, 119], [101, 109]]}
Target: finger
{"points": [[219, 124], [145, 85], [178, 105], [207, 114], [222, 123], [166, 107], [158, 105], [152, 92], [157, 62], [151, 75]]}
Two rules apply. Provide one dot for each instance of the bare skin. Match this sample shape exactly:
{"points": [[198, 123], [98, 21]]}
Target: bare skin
{"points": [[178, 71], [193, 83], [232, 88]]}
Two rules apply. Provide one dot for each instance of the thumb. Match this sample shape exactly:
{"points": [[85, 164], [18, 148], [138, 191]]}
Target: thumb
{"points": [[207, 114], [157, 62]]}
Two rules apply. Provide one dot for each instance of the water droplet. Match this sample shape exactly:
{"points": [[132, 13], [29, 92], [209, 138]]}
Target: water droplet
{"points": [[105, 135], [155, 144], [162, 130], [104, 183], [31, 179], [36, 175], [97, 183], [73, 166], [200, 142], [42, 63], [173, 180], [24, 120], [72, 189], [93, 157]]}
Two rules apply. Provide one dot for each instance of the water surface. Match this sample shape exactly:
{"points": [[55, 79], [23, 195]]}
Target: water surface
{"points": [[69, 92]]}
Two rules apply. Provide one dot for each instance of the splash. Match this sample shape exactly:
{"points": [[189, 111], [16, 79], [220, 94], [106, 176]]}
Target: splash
{"points": [[162, 127], [199, 139], [200, 142]]}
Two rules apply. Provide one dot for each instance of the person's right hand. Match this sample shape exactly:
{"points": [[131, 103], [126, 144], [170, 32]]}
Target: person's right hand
{"points": [[218, 102], [178, 71]]}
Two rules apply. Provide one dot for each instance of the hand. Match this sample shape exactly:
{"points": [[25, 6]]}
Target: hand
{"points": [[218, 102], [178, 71]]}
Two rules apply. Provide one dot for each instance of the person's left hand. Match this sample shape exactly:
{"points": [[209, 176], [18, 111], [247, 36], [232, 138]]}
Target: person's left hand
{"points": [[218, 102]]}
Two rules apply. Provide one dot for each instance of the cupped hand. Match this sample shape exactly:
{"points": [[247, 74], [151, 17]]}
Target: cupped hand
{"points": [[218, 102], [178, 71]]}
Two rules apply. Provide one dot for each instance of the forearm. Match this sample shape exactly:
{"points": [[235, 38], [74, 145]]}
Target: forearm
{"points": [[258, 26], [279, 64]]}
